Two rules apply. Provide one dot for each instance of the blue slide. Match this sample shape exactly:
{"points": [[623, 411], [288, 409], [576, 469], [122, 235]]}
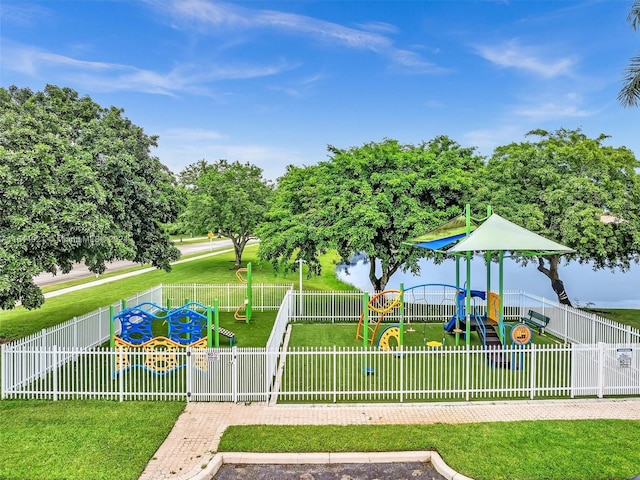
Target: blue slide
{"points": [[451, 324]]}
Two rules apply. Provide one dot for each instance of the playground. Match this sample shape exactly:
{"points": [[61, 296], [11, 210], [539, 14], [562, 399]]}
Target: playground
{"points": [[322, 360], [253, 342]]}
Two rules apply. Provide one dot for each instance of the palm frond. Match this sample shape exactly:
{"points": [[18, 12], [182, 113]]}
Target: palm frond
{"points": [[629, 95], [634, 15]]}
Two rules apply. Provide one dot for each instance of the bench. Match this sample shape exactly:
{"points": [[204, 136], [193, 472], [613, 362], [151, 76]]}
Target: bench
{"points": [[536, 320], [229, 334]]}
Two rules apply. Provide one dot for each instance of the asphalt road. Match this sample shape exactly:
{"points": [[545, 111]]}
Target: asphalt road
{"points": [[334, 471], [81, 271]]}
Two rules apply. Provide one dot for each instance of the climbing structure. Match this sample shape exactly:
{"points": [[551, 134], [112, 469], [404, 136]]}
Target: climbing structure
{"points": [[138, 346], [382, 303], [243, 312]]}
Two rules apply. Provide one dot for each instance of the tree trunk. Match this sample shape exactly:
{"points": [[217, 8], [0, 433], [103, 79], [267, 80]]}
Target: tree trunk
{"points": [[238, 253], [376, 282], [379, 284], [238, 248], [554, 277]]}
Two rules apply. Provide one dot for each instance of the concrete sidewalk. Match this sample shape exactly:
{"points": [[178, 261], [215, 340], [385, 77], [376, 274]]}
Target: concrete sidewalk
{"points": [[102, 281], [192, 443]]}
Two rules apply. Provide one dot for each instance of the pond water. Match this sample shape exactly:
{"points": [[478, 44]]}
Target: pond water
{"points": [[586, 287]]}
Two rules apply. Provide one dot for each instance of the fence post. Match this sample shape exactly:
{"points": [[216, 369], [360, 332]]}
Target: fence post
{"points": [[234, 374], [54, 353], [120, 374], [189, 387], [566, 324], [4, 370], [600, 370], [75, 329], [102, 328], [593, 329], [335, 376], [572, 370], [43, 358], [532, 370], [467, 370], [401, 360]]}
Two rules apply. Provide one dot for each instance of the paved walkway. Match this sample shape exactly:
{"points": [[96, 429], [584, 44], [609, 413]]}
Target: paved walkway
{"points": [[102, 281], [194, 439]]}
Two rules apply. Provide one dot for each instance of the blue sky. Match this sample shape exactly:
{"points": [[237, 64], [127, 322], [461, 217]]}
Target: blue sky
{"points": [[273, 83]]}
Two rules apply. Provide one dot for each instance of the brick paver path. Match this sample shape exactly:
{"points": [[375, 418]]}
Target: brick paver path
{"points": [[196, 434]]}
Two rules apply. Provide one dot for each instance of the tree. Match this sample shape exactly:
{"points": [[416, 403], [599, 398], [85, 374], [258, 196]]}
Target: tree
{"points": [[78, 184], [228, 197], [571, 189], [367, 199], [191, 173], [630, 93]]}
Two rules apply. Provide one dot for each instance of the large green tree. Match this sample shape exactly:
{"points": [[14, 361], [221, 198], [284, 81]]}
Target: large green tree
{"points": [[78, 184], [572, 189], [229, 197], [630, 92], [368, 199]]}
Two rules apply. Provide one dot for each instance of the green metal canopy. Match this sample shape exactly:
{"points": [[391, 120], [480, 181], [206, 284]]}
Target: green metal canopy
{"points": [[497, 234]]}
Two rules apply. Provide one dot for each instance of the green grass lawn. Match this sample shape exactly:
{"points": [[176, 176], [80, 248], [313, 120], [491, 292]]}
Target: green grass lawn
{"points": [[541, 450], [314, 374], [20, 322], [109, 440], [344, 335], [622, 315], [254, 334], [92, 440]]}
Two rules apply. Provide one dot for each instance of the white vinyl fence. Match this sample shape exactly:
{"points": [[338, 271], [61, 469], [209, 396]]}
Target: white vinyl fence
{"points": [[429, 304], [437, 304], [577, 326], [85, 331], [598, 357], [333, 374], [419, 374], [230, 296]]}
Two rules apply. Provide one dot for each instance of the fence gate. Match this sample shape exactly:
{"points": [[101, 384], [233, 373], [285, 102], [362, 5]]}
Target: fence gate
{"points": [[606, 370], [621, 367], [228, 375]]}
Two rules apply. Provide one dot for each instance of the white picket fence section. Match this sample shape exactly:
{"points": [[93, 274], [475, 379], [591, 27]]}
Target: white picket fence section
{"points": [[230, 296], [577, 326], [421, 374], [428, 304], [332, 374], [598, 357], [85, 331]]}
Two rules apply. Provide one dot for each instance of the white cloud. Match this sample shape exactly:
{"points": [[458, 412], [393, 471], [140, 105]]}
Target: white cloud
{"points": [[565, 106], [513, 55], [107, 77], [192, 134], [206, 14], [29, 60], [551, 110], [178, 153], [22, 14], [381, 27], [489, 138]]}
